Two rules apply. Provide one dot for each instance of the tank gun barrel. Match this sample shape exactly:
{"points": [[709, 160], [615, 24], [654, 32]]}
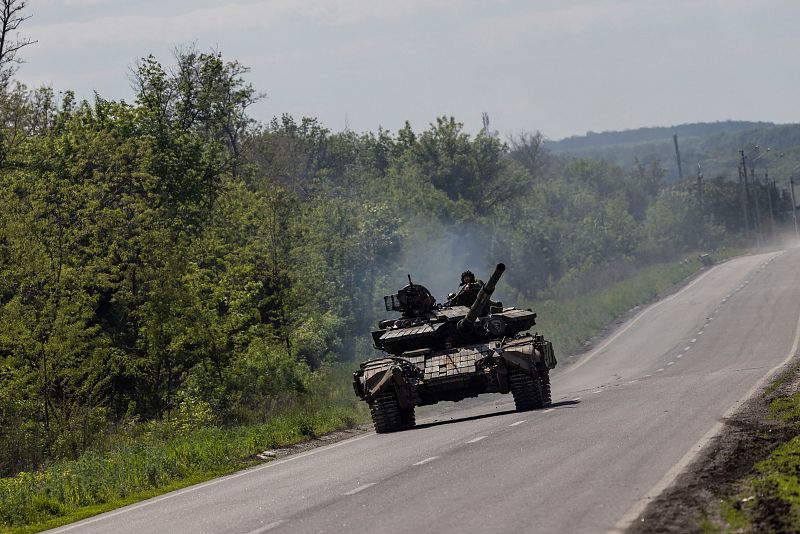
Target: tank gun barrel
{"points": [[482, 298]]}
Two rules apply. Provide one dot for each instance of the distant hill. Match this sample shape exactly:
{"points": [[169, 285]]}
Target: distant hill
{"points": [[714, 146], [658, 133]]}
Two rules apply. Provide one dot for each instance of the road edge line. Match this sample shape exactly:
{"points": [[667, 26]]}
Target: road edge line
{"points": [[669, 477], [641, 314], [202, 485]]}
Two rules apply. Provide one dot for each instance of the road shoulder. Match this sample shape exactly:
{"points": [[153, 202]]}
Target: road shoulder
{"points": [[701, 497]]}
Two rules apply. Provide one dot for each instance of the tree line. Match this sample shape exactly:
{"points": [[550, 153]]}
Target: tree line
{"points": [[170, 256]]}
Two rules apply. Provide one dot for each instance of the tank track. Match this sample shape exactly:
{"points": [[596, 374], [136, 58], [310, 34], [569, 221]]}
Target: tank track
{"points": [[386, 413], [544, 384], [526, 391]]}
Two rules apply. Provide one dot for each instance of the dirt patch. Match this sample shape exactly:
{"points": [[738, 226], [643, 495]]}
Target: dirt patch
{"points": [[748, 437], [319, 441]]}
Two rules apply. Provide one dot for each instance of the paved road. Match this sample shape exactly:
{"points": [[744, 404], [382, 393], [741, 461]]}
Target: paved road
{"points": [[626, 417]]}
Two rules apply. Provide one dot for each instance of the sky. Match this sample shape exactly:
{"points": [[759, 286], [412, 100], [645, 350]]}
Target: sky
{"points": [[560, 67]]}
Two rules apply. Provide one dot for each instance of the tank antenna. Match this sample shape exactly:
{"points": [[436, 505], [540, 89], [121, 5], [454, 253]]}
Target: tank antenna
{"points": [[409, 281]]}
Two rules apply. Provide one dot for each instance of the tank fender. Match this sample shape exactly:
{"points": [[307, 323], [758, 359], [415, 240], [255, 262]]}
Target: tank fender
{"points": [[379, 380], [549, 355], [520, 359]]}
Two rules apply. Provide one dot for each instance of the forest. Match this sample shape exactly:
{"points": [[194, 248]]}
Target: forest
{"points": [[170, 258]]}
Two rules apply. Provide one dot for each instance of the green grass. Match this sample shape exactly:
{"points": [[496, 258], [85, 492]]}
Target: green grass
{"points": [[151, 459], [770, 498], [150, 464], [569, 323]]}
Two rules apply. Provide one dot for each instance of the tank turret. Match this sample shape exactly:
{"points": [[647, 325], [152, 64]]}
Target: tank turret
{"points": [[435, 352], [482, 299]]}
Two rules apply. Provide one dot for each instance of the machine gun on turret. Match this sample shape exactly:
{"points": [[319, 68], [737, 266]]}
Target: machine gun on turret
{"points": [[452, 352]]}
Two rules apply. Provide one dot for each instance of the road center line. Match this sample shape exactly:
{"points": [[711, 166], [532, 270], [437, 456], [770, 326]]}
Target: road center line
{"points": [[178, 493], [426, 460], [635, 320], [476, 440], [636, 510], [546, 411], [360, 488], [267, 527], [517, 423], [694, 340]]}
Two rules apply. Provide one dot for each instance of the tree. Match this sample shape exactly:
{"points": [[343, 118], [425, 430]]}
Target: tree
{"points": [[528, 150], [11, 17]]}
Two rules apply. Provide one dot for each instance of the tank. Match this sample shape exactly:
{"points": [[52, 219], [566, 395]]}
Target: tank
{"points": [[462, 348]]}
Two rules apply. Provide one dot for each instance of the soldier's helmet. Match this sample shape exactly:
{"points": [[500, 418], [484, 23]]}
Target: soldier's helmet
{"points": [[470, 277]]}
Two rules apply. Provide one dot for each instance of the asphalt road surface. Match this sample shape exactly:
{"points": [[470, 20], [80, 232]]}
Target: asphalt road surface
{"points": [[626, 418]]}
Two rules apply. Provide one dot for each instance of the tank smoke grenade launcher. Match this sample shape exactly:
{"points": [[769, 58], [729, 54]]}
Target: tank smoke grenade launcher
{"points": [[435, 352]]}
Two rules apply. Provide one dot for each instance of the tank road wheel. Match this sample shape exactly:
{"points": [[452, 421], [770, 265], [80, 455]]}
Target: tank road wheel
{"points": [[544, 384], [409, 419], [526, 391], [386, 413]]}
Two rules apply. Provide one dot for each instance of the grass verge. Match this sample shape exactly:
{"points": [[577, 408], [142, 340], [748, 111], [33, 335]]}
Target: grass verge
{"points": [[151, 465], [768, 499], [570, 323], [155, 463]]}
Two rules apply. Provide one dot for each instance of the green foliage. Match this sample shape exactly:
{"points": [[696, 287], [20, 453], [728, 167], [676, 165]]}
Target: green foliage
{"points": [[143, 462], [169, 261]]}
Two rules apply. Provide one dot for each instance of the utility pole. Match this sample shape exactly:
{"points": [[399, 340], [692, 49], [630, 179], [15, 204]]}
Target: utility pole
{"points": [[769, 201], [758, 210], [745, 196], [794, 209], [678, 155], [700, 204]]}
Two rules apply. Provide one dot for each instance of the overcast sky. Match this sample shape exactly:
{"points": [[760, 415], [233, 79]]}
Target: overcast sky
{"points": [[561, 67]]}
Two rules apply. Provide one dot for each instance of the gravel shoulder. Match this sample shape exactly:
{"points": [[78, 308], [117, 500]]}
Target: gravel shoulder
{"points": [[692, 503]]}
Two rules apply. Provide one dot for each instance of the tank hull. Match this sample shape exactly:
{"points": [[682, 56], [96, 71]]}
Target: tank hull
{"points": [[423, 377]]}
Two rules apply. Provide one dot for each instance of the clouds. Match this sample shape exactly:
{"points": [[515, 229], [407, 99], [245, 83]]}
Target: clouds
{"points": [[562, 66]]}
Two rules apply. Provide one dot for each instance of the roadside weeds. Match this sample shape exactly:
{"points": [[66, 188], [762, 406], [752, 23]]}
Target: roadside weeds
{"points": [[746, 480]]}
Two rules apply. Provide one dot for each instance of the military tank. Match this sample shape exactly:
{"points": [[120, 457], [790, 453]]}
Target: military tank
{"points": [[450, 352]]}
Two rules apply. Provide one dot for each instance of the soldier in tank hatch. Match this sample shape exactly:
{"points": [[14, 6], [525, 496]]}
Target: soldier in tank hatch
{"points": [[467, 291]]}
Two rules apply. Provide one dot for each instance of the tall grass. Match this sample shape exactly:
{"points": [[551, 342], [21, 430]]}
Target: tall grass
{"points": [[570, 323], [151, 458], [154, 457]]}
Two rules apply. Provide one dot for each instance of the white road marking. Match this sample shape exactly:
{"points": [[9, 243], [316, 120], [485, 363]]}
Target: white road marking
{"points": [[426, 460], [725, 299], [636, 319], [360, 488], [671, 363], [267, 527], [647, 376], [685, 349], [246, 472], [679, 356], [576, 399], [700, 333], [596, 392], [476, 440], [517, 423], [636, 510], [548, 410], [694, 340], [659, 370]]}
